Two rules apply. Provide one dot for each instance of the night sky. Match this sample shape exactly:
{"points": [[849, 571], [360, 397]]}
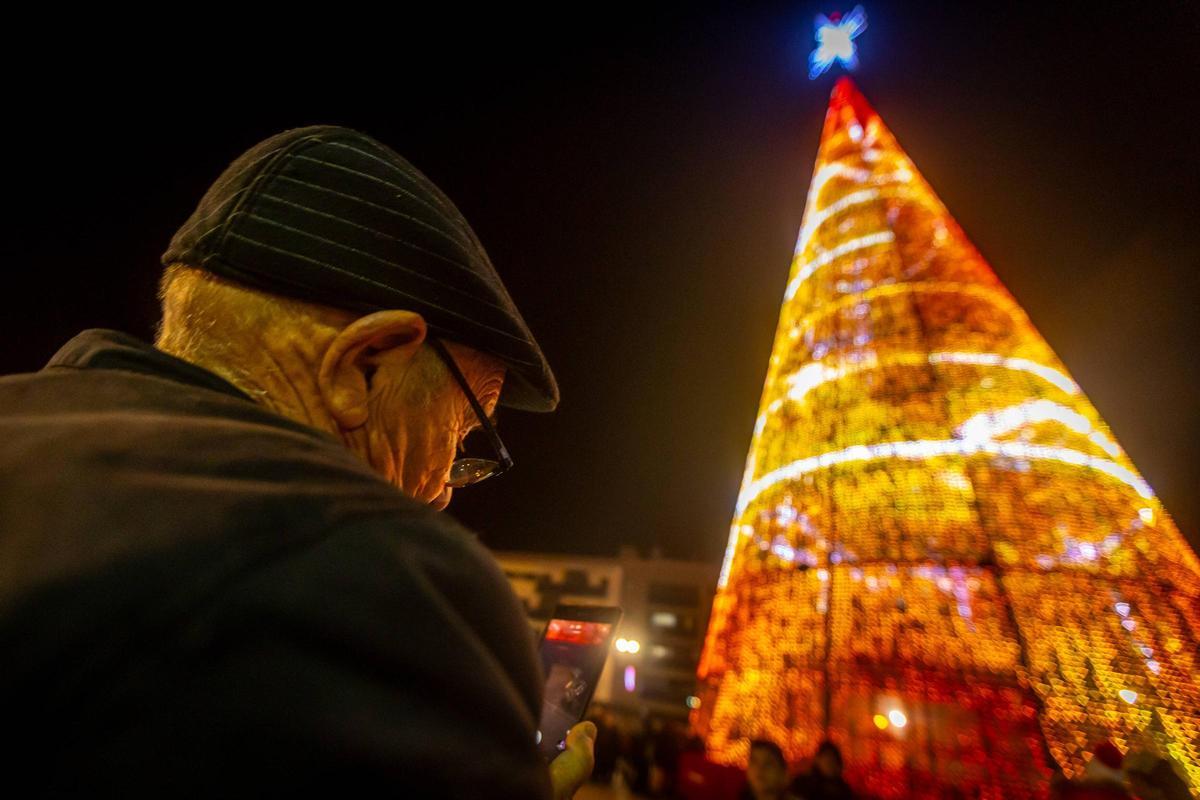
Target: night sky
{"points": [[638, 179]]}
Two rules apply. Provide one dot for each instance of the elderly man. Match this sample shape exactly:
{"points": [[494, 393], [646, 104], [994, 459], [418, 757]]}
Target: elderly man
{"points": [[221, 567]]}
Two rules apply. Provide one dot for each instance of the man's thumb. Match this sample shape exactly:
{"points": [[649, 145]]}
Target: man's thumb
{"points": [[574, 765], [584, 730]]}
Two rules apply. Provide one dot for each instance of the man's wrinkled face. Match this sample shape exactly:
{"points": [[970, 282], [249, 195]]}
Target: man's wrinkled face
{"points": [[419, 413]]}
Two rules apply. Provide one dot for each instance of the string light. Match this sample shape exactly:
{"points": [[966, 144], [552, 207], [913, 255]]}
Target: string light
{"points": [[940, 558]]}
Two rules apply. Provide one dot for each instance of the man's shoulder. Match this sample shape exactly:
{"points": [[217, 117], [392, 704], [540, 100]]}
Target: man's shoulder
{"points": [[386, 649], [370, 571], [130, 464], [399, 628], [394, 631], [411, 537]]}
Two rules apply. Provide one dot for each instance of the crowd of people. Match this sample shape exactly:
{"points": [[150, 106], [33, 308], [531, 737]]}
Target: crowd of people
{"points": [[1113, 775], [768, 776], [639, 756], [652, 757], [655, 758]]}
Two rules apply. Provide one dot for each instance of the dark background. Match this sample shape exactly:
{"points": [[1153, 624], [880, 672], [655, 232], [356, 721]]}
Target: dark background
{"points": [[638, 178]]}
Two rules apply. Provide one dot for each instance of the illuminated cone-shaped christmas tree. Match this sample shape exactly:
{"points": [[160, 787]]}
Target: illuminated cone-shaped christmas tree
{"points": [[940, 557]]}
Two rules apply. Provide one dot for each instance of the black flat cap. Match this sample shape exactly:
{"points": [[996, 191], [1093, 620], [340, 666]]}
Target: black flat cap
{"points": [[329, 215]]}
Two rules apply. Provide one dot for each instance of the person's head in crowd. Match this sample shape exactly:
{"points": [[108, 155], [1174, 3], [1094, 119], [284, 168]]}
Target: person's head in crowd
{"points": [[332, 282], [767, 773], [1153, 777], [1105, 764], [828, 761]]}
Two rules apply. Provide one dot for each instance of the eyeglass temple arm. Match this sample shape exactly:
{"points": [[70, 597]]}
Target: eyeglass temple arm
{"points": [[489, 429]]}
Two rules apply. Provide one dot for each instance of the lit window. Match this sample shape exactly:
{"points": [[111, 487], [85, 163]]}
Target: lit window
{"points": [[664, 619]]}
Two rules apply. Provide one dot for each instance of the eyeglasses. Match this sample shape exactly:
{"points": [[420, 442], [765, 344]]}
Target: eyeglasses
{"points": [[467, 470]]}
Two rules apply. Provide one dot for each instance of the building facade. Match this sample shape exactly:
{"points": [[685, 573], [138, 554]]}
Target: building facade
{"points": [[666, 604]]}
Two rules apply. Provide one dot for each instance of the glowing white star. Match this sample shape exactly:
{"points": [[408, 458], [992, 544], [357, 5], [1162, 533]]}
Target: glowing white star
{"points": [[835, 41]]}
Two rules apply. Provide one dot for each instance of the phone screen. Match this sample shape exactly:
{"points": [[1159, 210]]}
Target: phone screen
{"points": [[573, 653]]}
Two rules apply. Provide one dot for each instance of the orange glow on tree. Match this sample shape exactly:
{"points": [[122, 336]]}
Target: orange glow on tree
{"points": [[934, 517]]}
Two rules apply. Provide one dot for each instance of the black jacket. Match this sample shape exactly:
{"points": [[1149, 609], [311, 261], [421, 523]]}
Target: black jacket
{"points": [[199, 597]]}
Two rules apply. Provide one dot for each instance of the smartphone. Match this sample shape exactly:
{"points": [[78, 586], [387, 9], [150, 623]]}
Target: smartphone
{"points": [[573, 649]]}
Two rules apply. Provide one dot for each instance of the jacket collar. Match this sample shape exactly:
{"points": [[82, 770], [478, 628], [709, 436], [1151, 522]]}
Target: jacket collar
{"points": [[99, 348]]}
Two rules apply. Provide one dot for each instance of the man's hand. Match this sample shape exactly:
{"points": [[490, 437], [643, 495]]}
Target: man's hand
{"points": [[573, 766]]}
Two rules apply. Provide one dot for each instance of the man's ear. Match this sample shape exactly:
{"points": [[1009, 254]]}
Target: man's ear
{"points": [[349, 364]]}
